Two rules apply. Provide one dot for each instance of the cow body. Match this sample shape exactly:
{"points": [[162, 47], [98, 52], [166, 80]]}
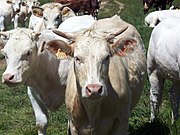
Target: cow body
{"points": [[163, 63], [158, 4], [76, 23], [102, 87], [153, 18], [85, 6]]}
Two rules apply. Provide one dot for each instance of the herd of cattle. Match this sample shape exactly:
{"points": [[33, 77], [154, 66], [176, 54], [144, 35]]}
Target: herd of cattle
{"points": [[97, 67]]}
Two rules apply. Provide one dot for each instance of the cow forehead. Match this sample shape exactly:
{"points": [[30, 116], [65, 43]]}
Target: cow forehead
{"points": [[51, 13], [91, 47], [20, 41]]}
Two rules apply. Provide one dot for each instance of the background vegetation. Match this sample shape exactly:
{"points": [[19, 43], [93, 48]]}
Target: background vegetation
{"points": [[16, 115]]}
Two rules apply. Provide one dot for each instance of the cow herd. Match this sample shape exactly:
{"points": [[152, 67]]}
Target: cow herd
{"points": [[96, 67]]}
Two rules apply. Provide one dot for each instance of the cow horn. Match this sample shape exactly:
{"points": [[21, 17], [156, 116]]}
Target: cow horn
{"points": [[113, 34], [145, 6], [64, 35]]}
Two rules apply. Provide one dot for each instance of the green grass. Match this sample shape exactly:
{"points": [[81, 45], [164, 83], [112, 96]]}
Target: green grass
{"points": [[17, 118]]}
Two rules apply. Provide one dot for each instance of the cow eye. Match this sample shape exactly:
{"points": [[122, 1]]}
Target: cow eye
{"points": [[29, 53], [78, 60], [5, 55], [45, 18]]}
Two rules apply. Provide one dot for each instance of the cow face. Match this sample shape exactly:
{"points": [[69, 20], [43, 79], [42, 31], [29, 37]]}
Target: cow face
{"points": [[20, 54], [52, 17], [16, 5], [51, 14], [91, 59]]}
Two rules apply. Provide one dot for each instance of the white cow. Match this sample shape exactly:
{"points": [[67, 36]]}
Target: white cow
{"points": [[106, 77], [29, 63], [7, 12], [48, 16], [153, 18], [163, 60]]}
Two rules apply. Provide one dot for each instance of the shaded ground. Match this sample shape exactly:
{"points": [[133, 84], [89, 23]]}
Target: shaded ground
{"points": [[2, 63]]}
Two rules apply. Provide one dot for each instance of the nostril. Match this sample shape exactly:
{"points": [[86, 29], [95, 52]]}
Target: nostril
{"points": [[100, 90], [11, 77]]}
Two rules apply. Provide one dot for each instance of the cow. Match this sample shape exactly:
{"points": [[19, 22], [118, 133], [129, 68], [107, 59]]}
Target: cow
{"points": [[163, 64], [7, 12], [158, 4], [30, 63], [106, 77], [153, 18], [85, 6], [47, 16]]}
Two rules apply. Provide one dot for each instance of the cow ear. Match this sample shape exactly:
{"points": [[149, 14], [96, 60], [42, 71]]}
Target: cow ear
{"points": [[124, 46], [59, 48], [66, 11], [37, 11]]}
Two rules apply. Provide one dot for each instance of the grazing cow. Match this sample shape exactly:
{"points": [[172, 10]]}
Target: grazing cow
{"points": [[106, 77], [153, 18], [163, 63], [85, 6], [48, 16], [7, 12], [29, 63], [158, 4]]}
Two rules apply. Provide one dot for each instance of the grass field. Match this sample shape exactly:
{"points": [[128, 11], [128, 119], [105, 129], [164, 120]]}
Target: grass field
{"points": [[16, 115]]}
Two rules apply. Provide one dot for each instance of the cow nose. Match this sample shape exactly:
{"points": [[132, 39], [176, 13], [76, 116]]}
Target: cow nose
{"points": [[94, 89], [8, 78]]}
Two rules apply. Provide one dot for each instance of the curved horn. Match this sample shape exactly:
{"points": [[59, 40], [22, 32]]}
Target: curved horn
{"points": [[64, 35], [116, 33], [145, 6]]}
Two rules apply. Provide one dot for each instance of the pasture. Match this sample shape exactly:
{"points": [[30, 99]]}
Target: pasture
{"points": [[16, 115]]}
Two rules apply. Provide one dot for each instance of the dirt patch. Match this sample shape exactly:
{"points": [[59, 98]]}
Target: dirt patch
{"points": [[2, 63]]}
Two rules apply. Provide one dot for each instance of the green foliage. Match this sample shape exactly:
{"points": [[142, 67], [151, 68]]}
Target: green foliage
{"points": [[17, 117]]}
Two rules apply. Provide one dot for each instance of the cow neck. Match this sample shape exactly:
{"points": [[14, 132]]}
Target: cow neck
{"points": [[47, 68]]}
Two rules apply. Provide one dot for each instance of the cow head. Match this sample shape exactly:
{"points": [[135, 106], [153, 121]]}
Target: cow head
{"points": [[20, 53], [16, 5], [51, 14], [91, 54]]}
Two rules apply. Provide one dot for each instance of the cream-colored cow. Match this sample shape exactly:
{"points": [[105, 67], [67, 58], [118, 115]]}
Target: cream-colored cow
{"points": [[106, 77]]}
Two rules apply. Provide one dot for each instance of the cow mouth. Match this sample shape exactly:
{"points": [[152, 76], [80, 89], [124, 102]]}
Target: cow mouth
{"points": [[12, 84], [94, 98]]}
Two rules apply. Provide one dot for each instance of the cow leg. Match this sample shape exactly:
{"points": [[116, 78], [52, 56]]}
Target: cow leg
{"points": [[16, 21], [156, 88], [174, 99], [40, 112]]}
